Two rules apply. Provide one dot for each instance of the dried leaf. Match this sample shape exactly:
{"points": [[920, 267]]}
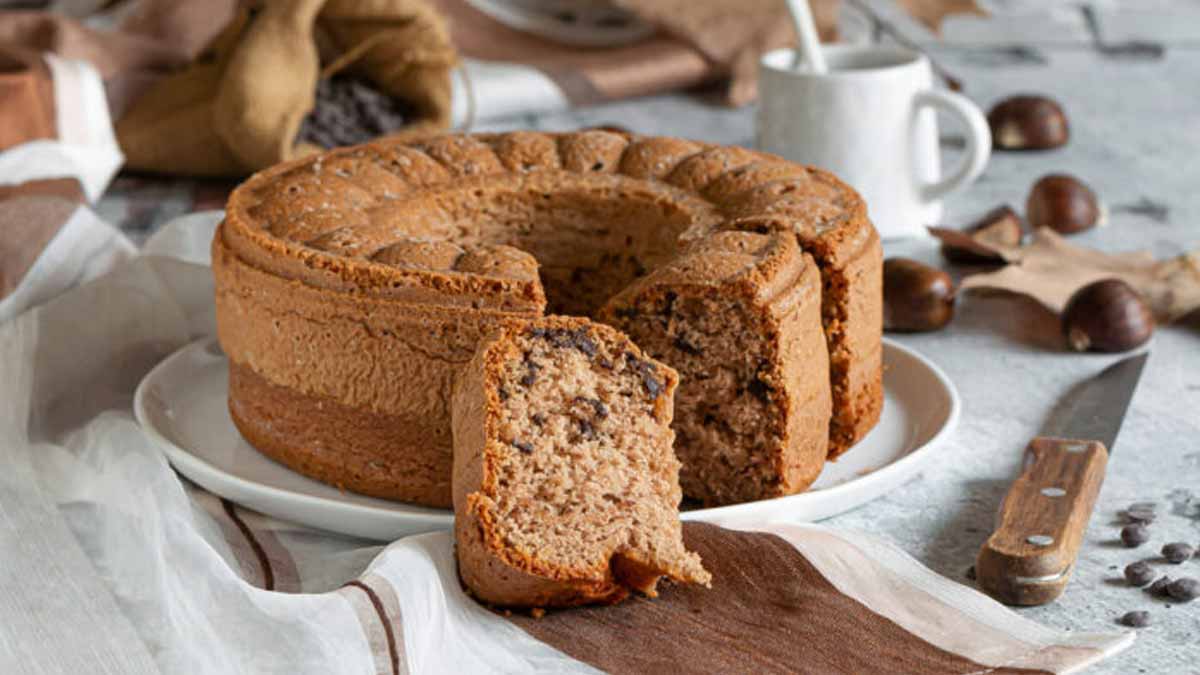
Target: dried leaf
{"points": [[957, 239], [977, 243], [932, 12], [1050, 270]]}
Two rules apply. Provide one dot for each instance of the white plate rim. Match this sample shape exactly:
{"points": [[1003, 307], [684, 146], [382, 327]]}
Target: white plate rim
{"points": [[206, 474]]}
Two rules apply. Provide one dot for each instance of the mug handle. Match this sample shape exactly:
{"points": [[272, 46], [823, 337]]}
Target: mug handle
{"points": [[979, 141]]}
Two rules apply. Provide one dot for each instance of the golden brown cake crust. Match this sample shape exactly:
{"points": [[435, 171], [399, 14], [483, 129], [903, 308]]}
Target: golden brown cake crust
{"points": [[367, 275], [350, 448]]}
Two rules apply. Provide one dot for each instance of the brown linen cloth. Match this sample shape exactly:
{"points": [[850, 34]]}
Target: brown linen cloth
{"points": [[732, 35], [146, 47], [700, 41], [769, 611], [26, 98]]}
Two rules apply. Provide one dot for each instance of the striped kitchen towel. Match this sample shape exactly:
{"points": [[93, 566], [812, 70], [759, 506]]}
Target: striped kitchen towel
{"points": [[103, 542]]}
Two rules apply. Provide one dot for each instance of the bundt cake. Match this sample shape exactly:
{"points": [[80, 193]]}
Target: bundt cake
{"points": [[351, 287], [735, 315], [566, 489]]}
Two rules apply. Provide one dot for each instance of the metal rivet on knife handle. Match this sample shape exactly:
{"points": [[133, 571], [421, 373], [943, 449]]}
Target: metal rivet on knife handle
{"points": [[1053, 492], [1040, 539]]}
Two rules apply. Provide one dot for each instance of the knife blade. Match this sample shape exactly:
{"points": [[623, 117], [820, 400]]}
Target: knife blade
{"points": [[1028, 560]]}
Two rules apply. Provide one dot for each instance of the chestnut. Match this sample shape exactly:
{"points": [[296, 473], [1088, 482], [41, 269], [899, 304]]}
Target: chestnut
{"points": [[1028, 122], [999, 227], [1106, 316], [1063, 203], [916, 297]]}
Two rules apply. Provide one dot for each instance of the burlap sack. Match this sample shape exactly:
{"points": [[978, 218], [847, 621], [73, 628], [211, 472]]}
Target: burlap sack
{"points": [[239, 106]]}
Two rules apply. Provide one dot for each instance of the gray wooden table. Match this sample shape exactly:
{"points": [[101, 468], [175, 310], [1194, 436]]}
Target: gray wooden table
{"points": [[1136, 140]]}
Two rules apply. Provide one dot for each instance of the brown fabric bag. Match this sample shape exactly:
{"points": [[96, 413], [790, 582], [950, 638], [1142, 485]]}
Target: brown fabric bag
{"points": [[239, 106], [27, 110]]}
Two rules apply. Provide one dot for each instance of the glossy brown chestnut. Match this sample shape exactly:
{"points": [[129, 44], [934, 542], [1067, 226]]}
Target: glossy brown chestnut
{"points": [[1028, 123], [1000, 227], [916, 297], [1106, 316], [1063, 203]]}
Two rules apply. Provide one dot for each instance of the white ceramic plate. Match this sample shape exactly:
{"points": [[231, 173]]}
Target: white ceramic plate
{"points": [[181, 405]]}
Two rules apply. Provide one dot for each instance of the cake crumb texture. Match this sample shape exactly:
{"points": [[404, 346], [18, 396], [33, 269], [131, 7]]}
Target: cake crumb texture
{"points": [[566, 487]]}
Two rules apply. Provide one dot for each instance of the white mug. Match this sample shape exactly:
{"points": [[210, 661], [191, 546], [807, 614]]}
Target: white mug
{"points": [[870, 120]]}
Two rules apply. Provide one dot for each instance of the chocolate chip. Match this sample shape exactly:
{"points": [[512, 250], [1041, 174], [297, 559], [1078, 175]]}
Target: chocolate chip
{"points": [[759, 389], [531, 370], [598, 166], [524, 446], [1134, 535], [348, 111], [503, 394], [586, 429], [563, 338], [669, 307], [1177, 552], [686, 346], [970, 573], [1184, 590], [1139, 573], [1159, 587], [1136, 619], [652, 385], [585, 344], [596, 404], [538, 418]]}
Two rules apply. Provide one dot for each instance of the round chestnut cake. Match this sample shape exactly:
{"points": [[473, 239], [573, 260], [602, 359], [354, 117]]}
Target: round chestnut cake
{"points": [[353, 286]]}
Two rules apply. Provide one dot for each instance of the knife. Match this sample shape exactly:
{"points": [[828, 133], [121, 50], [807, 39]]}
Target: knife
{"points": [[1029, 558]]}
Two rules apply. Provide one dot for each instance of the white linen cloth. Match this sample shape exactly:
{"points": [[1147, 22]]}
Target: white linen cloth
{"points": [[110, 563]]}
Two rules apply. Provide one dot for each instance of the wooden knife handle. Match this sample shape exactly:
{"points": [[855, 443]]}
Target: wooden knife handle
{"points": [[1029, 558]]}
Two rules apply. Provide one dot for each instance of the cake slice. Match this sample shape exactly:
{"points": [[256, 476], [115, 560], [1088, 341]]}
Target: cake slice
{"points": [[566, 489], [738, 314]]}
